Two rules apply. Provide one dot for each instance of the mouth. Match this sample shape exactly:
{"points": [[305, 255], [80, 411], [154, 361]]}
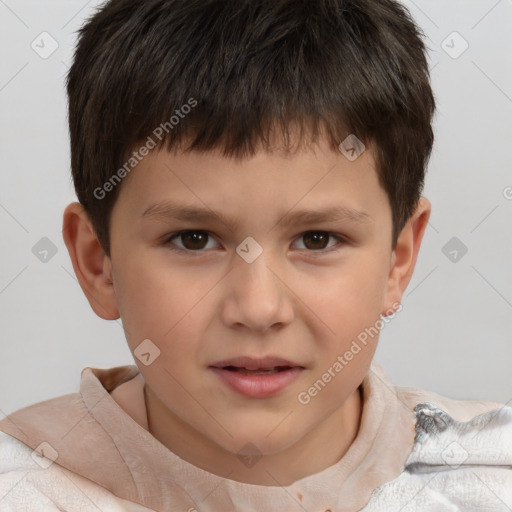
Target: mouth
{"points": [[253, 365], [259, 371], [257, 377]]}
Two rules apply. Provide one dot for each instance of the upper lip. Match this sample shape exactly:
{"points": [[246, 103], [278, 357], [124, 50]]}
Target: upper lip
{"points": [[255, 363]]}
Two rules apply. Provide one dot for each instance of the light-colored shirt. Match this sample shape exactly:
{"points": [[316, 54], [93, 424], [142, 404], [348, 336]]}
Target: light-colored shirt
{"points": [[415, 451]]}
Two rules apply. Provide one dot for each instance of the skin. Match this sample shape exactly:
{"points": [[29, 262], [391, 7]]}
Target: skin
{"points": [[299, 299]]}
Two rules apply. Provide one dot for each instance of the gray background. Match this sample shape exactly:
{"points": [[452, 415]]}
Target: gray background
{"points": [[454, 333]]}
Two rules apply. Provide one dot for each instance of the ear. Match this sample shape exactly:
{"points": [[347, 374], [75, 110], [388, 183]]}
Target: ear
{"points": [[404, 255], [91, 264]]}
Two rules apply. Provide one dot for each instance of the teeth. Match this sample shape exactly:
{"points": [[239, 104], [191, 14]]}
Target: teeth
{"points": [[257, 372]]}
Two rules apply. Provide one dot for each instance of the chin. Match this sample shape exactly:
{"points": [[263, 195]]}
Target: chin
{"points": [[258, 440]]}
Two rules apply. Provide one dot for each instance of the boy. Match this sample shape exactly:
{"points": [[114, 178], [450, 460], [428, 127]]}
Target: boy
{"points": [[249, 175]]}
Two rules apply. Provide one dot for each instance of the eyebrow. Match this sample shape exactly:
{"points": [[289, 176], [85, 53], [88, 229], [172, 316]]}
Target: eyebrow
{"points": [[168, 210]]}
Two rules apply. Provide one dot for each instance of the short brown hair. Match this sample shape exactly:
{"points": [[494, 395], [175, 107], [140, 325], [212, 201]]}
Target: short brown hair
{"points": [[346, 66]]}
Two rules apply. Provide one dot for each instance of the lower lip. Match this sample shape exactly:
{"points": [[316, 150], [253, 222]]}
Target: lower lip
{"points": [[258, 386]]}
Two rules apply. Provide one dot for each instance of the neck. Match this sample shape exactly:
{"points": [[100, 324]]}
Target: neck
{"points": [[320, 448]]}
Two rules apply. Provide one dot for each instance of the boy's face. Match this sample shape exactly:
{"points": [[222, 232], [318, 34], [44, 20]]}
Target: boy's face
{"points": [[304, 298]]}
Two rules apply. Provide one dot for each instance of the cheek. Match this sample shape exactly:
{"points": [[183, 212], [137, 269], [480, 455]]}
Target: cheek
{"points": [[354, 292], [150, 297], [163, 304], [349, 307]]}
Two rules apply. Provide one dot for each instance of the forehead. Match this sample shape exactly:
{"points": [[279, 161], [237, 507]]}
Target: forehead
{"points": [[304, 179], [274, 159]]}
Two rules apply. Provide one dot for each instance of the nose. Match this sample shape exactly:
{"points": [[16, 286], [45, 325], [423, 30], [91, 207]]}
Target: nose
{"points": [[255, 295]]}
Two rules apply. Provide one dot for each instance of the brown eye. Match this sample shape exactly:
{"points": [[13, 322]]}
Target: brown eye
{"points": [[190, 240], [316, 240], [194, 239]]}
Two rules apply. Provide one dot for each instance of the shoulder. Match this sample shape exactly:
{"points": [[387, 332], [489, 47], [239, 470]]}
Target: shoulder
{"points": [[461, 410], [482, 429], [29, 481], [461, 457]]}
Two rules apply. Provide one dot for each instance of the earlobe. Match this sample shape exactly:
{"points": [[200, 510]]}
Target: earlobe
{"points": [[405, 254], [90, 263]]}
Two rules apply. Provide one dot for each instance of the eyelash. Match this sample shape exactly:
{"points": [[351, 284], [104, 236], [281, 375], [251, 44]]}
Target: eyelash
{"points": [[168, 242]]}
